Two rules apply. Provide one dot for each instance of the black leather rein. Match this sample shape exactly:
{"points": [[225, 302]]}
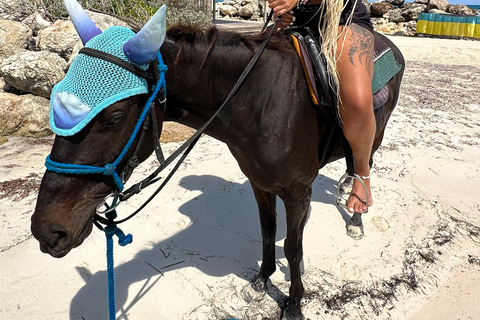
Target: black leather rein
{"points": [[185, 148]]}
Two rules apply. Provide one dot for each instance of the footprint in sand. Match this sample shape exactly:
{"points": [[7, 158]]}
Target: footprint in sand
{"points": [[380, 223]]}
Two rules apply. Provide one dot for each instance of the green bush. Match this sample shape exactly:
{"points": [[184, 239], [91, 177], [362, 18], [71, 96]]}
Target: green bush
{"points": [[135, 12]]}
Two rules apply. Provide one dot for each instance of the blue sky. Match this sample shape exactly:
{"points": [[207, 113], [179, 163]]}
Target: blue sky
{"points": [[475, 2]]}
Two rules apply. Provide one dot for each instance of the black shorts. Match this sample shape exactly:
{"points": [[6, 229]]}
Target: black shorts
{"points": [[308, 16]]}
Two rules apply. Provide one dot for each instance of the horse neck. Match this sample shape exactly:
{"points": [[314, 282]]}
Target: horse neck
{"points": [[196, 86]]}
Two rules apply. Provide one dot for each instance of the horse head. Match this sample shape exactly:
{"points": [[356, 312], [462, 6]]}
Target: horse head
{"points": [[95, 112]]}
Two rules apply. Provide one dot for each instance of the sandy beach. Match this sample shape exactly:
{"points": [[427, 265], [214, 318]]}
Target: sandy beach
{"points": [[198, 243]]}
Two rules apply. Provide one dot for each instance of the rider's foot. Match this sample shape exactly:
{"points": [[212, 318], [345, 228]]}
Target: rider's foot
{"points": [[357, 200]]}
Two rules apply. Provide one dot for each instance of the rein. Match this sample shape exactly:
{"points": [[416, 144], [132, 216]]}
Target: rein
{"points": [[147, 115], [185, 148]]}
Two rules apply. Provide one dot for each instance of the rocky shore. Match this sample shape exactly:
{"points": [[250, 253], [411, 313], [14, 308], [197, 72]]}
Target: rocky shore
{"points": [[388, 16], [36, 52]]}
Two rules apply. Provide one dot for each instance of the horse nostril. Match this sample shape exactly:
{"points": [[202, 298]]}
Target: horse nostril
{"points": [[57, 237]]}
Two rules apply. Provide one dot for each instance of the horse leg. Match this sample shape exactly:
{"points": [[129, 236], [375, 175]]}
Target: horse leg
{"points": [[297, 210], [266, 202]]}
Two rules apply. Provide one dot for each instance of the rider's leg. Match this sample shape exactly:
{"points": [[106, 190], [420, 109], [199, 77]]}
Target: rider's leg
{"points": [[355, 70]]}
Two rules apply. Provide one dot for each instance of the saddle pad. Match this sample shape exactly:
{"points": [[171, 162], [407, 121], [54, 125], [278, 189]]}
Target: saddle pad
{"points": [[380, 98], [385, 68]]}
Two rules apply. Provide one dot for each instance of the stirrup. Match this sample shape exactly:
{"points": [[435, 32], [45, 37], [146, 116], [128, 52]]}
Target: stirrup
{"points": [[344, 188]]}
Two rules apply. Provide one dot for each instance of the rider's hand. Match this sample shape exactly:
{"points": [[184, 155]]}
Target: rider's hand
{"points": [[281, 7], [286, 20]]}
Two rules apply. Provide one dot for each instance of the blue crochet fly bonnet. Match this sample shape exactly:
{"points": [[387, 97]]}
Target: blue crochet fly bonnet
{"points": [[92, 84], [113, 65]]}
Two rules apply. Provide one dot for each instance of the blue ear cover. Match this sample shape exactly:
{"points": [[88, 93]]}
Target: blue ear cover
{"points": [[143, 47]]}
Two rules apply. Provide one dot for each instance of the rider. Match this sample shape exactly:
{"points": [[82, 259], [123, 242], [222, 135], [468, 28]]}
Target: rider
{"points": [[349, 52]]}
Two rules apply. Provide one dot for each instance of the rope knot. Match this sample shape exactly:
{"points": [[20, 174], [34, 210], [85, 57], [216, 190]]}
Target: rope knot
{"points": [[109, 169], [162, 68], [123, 239], [110, 230]]}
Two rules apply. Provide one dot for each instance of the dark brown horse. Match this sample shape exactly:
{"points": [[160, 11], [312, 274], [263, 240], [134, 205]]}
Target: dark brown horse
{"points": [[279, 138]]}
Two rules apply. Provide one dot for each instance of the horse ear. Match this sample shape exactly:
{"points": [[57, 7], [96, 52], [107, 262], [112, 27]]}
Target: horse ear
{"points": [[85, 27], [143, 47]]}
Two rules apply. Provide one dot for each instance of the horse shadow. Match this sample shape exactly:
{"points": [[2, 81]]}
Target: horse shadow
{"points": [[223, 219]]}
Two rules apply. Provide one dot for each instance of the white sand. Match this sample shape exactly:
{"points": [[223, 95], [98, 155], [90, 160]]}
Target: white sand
{"points": [[204, 230]]}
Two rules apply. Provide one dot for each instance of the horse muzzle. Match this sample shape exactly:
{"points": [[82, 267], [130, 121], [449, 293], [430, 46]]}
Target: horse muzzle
{"points": [[63, 216], [56, 239]]}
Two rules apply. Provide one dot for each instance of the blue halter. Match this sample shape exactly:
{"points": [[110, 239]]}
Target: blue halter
{"points": [[110, 168]]}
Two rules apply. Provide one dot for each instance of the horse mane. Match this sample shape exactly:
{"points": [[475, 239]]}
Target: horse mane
{"points": [[185, 33]]}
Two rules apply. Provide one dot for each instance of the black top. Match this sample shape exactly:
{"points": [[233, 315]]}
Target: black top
{"points": [[308, 15]]}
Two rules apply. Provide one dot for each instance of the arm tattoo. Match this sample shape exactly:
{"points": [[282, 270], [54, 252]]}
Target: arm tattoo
{"points": [[361, 44]]}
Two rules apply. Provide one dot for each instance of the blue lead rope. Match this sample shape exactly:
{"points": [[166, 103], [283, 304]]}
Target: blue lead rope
{"points": [[123, 240]]}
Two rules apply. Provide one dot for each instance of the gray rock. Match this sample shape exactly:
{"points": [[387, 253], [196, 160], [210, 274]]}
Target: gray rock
{"points": [[228, 10], [15, 10], [25, 115], [60, 38], [36, 22], [13, 38], [435, 4], [459, 9], [410, 29], [438, 11], [33, 72], [248, 10], [394, 15], [103, 21], [412, 13], [378, 9], [396, 3], [407, 5]]}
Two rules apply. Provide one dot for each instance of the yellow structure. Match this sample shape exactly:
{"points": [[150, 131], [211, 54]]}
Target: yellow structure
{"points": [[462, 26]]}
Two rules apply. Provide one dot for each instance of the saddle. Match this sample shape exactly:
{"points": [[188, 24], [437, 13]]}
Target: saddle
{"points": [[321, 86]]}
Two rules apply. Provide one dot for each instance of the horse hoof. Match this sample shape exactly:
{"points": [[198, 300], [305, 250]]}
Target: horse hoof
{"points": [[254, 291], [291, 313], [355, 232]]}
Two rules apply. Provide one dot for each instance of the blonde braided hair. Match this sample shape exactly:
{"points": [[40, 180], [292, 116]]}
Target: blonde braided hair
{"points": [[328, 27]]}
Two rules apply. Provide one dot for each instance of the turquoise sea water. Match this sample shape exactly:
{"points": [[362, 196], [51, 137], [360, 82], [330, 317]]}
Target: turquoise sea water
{"points": [[474, 6]]}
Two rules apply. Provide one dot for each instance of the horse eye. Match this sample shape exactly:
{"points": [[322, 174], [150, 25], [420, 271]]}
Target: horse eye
{"points": [[115, 120]]}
